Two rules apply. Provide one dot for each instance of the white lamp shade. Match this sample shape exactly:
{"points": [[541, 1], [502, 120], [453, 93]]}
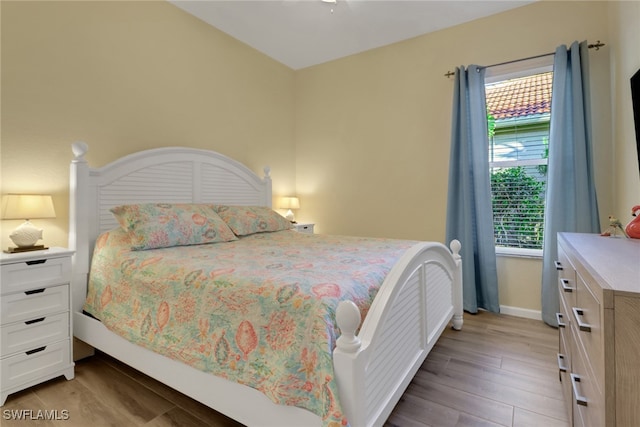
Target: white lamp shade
{"points": [[289, 203], [27, 206]]}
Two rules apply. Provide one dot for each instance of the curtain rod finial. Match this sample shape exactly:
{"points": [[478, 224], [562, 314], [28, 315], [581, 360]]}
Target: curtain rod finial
{"points": [[449, 74], [597, 45]]}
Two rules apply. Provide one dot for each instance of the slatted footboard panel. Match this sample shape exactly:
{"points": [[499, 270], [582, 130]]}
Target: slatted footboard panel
{"points": [[418, 315], [439, 301], [401, 344]]}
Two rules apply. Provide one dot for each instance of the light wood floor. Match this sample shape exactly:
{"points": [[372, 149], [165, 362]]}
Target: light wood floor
{"points": [[498, 371]]}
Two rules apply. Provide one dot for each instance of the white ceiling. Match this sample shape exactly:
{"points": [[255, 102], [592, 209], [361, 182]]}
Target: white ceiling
{"points": [[301, 33]]}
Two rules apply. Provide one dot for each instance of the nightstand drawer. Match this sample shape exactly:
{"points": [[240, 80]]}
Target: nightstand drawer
{"points": [[30, 365], [33, 274], [29, 334], [304, 228], [34, 304]]}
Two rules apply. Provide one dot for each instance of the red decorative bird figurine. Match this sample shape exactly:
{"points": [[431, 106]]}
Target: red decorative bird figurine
{"points": [[633, 228]]}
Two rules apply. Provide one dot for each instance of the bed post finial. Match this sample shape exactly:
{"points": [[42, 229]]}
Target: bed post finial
{"points": [[458, 309], [79, 149], [348, 318], [455, 246], [268, 196]]}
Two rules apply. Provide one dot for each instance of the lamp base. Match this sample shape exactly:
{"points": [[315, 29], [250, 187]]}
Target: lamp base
{"points": [[290, 217], [11, 250], [26, 235]]}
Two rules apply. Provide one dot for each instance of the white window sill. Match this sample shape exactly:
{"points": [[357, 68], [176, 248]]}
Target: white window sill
{"points": [[518, 252]]}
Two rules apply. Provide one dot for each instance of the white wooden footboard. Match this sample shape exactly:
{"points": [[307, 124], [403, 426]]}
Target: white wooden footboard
{"points": [[421, 294]]}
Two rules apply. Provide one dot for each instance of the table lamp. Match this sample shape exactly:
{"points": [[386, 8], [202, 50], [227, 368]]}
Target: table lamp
{"points": [[27, 206], [289, 203]]}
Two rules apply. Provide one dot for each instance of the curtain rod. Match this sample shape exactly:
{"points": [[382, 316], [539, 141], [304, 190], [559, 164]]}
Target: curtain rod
{"points": [[597, 45]]}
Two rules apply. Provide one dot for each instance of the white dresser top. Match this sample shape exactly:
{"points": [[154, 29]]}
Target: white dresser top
{"points": [[614, 260]]}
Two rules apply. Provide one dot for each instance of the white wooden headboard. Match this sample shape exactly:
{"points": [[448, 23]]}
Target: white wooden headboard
{"points": [[170, 174]]}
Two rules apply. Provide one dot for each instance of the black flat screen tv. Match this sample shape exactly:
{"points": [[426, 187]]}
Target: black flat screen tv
{"points": [[635, 99]]}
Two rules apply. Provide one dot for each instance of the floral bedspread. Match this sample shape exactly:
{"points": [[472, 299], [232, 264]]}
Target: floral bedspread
{"points": [[258, 311]]}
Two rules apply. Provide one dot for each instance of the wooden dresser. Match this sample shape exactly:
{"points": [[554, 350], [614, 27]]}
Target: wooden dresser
{"points": [[599, 329]]}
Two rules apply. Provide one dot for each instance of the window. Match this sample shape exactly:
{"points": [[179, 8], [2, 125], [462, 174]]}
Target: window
{"points": [[518, 113]]}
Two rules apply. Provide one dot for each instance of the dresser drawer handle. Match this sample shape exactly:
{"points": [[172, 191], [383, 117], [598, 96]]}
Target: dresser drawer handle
{"points": [[34, 291], [580, 400], [578, 313], [30, 322], [36, 261], [561, 365], [559, 318], [558, 265], [35, 350], [565, 285]]}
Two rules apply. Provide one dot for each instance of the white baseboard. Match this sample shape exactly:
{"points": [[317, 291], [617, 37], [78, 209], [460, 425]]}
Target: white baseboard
{"points": [[521, 312]]}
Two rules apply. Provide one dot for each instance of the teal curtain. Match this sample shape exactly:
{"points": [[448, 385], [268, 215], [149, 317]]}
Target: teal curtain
{"points": [[571, 203], [469, 211]]}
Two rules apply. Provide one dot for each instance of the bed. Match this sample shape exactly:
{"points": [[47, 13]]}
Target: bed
{"points": [[374, 357]]}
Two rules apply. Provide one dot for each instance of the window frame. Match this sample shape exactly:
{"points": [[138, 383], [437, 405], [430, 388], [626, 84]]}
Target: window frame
{"points": [[513, 70]]}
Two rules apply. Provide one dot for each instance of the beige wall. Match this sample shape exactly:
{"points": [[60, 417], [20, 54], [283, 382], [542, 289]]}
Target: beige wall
{"points": [[127, 76], [363, 140], [373, 130]]}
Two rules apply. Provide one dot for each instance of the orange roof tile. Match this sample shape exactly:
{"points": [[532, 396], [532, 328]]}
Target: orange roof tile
{"points": [[524, 96]]}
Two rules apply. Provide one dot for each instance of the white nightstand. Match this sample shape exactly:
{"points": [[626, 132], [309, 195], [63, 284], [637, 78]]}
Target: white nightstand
{"points": [[304, 227], [35, 320]]}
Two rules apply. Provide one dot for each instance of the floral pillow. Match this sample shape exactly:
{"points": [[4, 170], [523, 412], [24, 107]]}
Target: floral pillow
{"points": [[245, 220], [162, 225]]}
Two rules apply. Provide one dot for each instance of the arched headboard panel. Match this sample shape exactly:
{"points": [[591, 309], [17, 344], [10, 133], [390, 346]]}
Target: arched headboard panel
{"points": [[170, 174]]}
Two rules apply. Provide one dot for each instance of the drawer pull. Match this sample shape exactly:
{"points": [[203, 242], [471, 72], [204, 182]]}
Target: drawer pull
{"points": [[30, 322], [565, 285], [34, 291], [580, 400], [558, 265], [561, 365], [37, 261], [35, 350], [559, 318], [578, 313]]}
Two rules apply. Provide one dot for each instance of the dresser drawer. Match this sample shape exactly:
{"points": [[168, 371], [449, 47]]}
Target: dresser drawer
{"points": [[564, 371], [566, 278], [564, 329], [565, 315], [24, 367], [34, 304], [30, 334], [33, 274], [588, 324], [588, 402]]}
